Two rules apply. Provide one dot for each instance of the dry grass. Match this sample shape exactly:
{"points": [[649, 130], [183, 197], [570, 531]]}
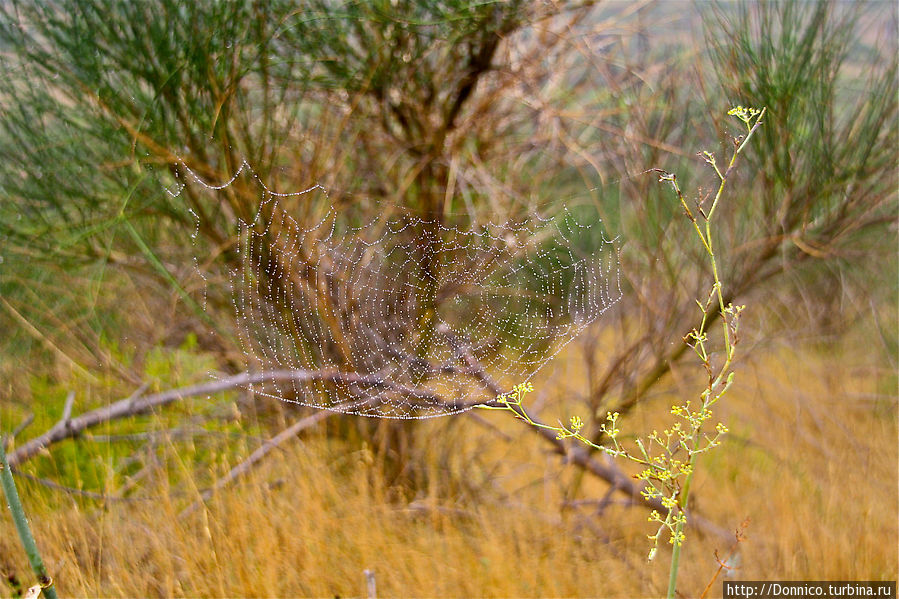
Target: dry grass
{"points": [[812, 461]]}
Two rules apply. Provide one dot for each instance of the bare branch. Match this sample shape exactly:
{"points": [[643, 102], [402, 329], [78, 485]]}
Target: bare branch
{"points": [[138, 404]]}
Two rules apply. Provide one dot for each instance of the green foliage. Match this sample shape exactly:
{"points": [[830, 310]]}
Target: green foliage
{"points": [[827, 163], [104, 101]]}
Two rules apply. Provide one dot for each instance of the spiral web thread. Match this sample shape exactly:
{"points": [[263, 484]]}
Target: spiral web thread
{"points": [[389, 319]]}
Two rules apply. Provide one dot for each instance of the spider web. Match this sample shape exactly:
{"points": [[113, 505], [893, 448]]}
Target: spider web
{"points": [[399, 316]]}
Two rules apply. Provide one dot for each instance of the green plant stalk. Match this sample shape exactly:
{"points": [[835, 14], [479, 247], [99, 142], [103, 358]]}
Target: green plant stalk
{"points": [[675, 552], [710, 398], [685, 494], [25, 536]]}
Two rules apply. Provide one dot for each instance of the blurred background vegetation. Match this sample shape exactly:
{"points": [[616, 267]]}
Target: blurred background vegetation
{"points": [[442, 109]]}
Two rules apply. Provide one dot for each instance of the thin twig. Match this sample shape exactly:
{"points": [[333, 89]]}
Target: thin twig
{"points": [[23, 425], [67, 408], [70, 490]]}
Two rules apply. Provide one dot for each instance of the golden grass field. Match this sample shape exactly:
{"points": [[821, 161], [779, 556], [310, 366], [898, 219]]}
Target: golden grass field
{"points": [[810, 463]]}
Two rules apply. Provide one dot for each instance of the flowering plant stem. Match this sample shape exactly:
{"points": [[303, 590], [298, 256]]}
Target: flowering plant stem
{"points": [[669, 458], [696, 339]]}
